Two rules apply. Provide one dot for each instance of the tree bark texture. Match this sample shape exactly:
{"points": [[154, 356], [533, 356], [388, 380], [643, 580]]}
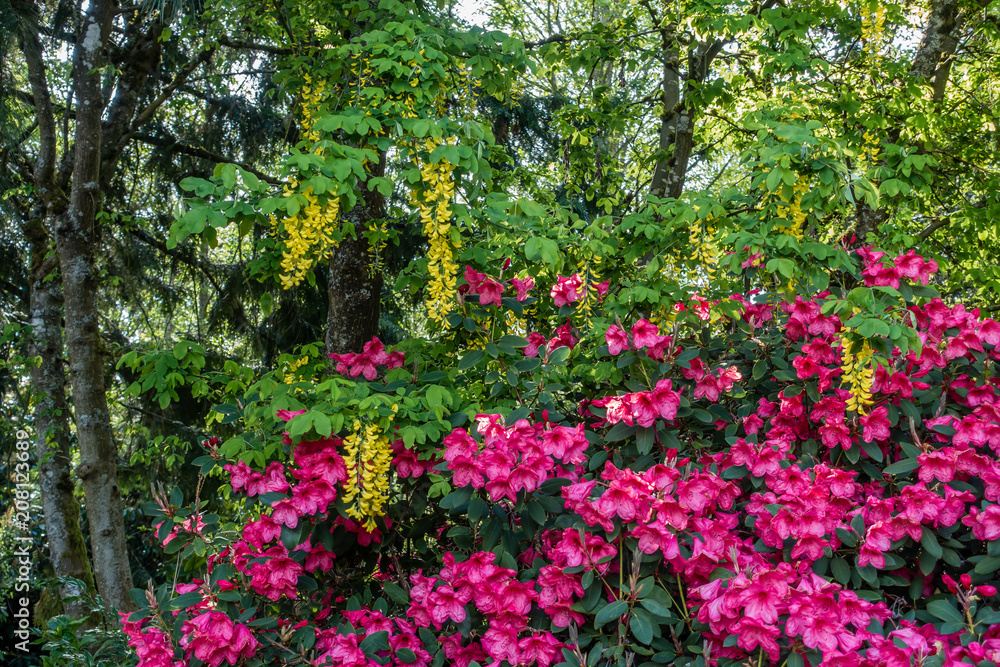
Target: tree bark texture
{"points": [[67, 548], [76, 241], [354, 291], [677, 123]]}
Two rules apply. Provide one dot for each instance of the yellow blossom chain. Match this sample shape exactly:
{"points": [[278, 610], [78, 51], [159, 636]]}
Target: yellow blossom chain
{"points": [[291, 374], [307, 232], [873, 24], [858, 374], [588, 271], [433, 201], [870, 149], [367, 455], [791, 211]]}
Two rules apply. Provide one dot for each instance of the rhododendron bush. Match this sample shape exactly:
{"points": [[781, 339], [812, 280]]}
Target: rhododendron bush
{"points": [[756, 480]]}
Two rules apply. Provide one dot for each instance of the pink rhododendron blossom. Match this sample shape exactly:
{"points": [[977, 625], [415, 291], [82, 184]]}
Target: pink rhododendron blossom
{"points": [[567, 290], [367, 362], [523, 287], [616, 339], [645, 334], [213, 638]]}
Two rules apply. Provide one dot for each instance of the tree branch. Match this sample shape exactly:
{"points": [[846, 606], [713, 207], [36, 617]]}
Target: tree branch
{"points": [[253, 46], [943, 221], [194, 151], [153, 106], [42, 103]]}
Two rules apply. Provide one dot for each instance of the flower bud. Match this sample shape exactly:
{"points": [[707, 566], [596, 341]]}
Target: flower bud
{"points": [[986, 590], [966, 581]]}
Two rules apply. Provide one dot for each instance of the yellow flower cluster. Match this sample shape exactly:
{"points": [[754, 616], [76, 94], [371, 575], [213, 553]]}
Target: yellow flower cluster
{"points": [[312, 97], [872, 24], [307, 234], [870, 149], [434, 204], [290, 374], [590, 278], [703, 249], [791, 211], [367, 454], [858, 375], [516, 325]]}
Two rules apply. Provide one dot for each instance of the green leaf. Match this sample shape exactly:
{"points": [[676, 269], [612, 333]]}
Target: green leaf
{"points": [[470, 359], [558, 356], [988, 565], [657, 608], [395, 592], [186, 600], [610, 612], [930, 543], [406, 655], [641, 626], [841, 570], [945, 611], [901, 467]]}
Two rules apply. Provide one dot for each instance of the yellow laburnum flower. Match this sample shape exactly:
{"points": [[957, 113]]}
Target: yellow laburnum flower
{"points": [[434, 207], [367, 455], [858, 375], [307, 235]]}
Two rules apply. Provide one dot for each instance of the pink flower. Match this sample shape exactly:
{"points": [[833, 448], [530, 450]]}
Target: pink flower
{"points": [[212, 637], [754, 633], [272, 481], [617, 340], [563, 337], [367, 362], [567, 290], [286, 415], [523, 287], [643, 411], [876, 424], [240, 474], [665, 400], [490, 292], [915, 267], [535, 341], [474, 278], [152, 646], [447, 604], [277, 575], [985, 524], [645, 334], [541, 649]]}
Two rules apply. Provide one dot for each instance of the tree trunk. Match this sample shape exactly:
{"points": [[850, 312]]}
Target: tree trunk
{"points": [[354, 291], [67, 549], [677, 124], [76, 241], [353, 297]]}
